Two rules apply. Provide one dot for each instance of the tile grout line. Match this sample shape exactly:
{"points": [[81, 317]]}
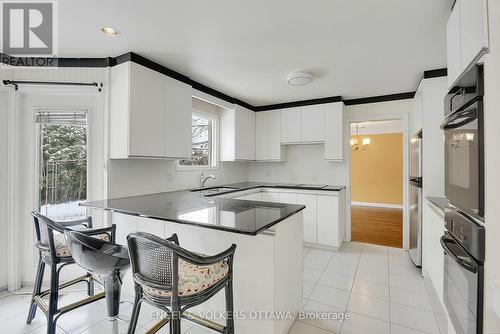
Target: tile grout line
{"points": [[350, 292]]}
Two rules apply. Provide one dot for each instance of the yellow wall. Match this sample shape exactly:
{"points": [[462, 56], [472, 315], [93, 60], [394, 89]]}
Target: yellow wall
{"points": [[377, 173]]}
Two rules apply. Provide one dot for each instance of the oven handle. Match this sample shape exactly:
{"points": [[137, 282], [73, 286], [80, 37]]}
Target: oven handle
{"points": [[448, 121], [462, 263]]}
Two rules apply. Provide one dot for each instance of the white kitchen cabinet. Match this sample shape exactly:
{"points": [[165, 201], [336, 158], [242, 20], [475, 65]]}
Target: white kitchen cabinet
{"points": [[291, 125], [418, 101], [237, 134], [466, 36], [473, 30], [334, 131], [309, 215], [329, 228], [273, 197], [453, 45], [150, 114], [267, 136], [313, 123], [251, 197], [289, 198]]}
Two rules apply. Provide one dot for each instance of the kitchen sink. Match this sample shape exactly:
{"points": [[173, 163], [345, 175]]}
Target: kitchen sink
{"points": [[213, 190]]}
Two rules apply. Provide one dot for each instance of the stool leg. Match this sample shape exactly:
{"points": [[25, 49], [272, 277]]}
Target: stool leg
{"points": [[112, 286], [175, 319], [36, 289], [136, 310], [53, 297], [229, 308], [90, 286]]}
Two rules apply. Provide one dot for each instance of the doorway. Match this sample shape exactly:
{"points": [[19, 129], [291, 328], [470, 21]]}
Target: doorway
{"points": [[376, 170]]}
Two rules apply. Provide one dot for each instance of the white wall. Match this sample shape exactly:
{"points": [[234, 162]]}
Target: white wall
{"points": [[146, 176], [492, 165], [4, 140], [304, 164]]}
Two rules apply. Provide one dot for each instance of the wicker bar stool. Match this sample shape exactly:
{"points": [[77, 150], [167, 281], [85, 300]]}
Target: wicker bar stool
{"points": [[53, 251], [174, 279]]}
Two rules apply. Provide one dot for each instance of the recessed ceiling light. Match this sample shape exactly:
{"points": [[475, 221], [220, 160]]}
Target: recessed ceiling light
{"points": [[300, 78], [110, 31]]}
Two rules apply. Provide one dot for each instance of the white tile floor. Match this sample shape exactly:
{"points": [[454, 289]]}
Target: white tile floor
{"points": [[377, 286]]}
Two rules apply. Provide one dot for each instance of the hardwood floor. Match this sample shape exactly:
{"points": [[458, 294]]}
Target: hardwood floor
{"points": [[379, 226]]}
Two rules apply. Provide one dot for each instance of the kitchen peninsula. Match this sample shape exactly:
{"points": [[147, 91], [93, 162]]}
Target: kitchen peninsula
{"points": [[268, 236]]}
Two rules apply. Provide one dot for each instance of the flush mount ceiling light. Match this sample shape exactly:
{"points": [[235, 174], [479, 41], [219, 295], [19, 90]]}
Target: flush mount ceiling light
{"points": [[110, 31], [300, 78]]}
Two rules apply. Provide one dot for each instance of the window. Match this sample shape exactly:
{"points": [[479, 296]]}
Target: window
{"points": [[203, 139], [62, 163]]}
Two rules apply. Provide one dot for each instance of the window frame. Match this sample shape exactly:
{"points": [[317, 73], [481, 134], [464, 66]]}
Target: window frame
{"points": [[213, 146]]}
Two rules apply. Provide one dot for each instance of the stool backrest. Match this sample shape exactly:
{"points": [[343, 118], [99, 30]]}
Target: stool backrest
{"points": [[152, 259]]}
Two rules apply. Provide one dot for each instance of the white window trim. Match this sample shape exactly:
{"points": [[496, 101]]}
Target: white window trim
{"points": [[215, 145]]}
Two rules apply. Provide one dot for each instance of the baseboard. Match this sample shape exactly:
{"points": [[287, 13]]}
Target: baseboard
{"points": [[377, 205]]}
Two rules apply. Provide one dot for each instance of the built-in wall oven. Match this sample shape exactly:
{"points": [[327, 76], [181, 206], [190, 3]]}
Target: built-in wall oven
{"points": [[463, 246], [463, 241], [464, 147]]}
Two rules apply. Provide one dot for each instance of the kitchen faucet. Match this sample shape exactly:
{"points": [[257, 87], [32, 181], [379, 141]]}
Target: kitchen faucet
{"points": [[204, 179]]}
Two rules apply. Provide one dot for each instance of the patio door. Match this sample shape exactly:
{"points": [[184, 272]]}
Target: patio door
{"points": [[62, 162]]}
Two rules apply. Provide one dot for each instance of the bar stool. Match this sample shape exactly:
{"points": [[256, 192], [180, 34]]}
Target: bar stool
{"points": [[53, 251], [103, 258], [174, 279]]}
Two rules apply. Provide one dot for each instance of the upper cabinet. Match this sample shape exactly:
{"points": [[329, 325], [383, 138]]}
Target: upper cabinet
{"points": [[334, 131], [467, 36], [150, 114], [291, 125], [313, 123], [237, 134], [268, 136]]}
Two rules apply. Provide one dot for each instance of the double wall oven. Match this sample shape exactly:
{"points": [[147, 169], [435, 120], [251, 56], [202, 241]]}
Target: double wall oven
{"points": [[463, 241]]}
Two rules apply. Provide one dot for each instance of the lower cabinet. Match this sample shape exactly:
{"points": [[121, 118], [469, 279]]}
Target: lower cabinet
{"points": [[310, 216], [323, 217], [329, 229]]}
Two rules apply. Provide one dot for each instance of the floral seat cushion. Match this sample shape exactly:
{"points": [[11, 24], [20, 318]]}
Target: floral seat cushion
{"points": [[62, 249], [194, 278]]}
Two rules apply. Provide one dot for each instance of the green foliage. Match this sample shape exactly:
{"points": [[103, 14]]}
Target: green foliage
{"points": [[63, 174]]}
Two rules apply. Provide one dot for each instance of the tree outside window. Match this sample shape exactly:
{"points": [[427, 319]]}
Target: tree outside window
{"points": [[202, 139]]}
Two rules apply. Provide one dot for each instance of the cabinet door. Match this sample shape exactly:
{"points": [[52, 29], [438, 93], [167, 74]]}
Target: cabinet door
{"points": [[328, 221], [418, 105], [313, 123], [289, 198], [244, 133], [251, 134], [453, 47], [473, 30], [291, 125], [309, 216], [334, 131], [272, 197], [178, 110], [267, 138], [146, 112]]}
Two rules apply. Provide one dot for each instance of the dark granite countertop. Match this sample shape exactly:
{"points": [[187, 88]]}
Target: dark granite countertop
{"points": [[196, 208], [441, 203], [299, 186]]}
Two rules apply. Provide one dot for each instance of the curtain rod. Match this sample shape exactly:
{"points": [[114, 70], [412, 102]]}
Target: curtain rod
{"points": [[17, 83]]}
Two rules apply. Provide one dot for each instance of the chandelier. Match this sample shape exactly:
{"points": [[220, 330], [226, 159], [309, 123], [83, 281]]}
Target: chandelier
{"points": [[355, 143]]}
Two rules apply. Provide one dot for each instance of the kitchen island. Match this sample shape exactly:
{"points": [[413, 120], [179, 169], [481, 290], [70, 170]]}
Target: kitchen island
{"points": [[268, 259]]}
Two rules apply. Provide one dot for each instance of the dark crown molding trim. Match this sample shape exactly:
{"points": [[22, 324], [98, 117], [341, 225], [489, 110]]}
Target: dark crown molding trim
{"points": [[136, 58], [441, 72], [381, 98], [302, 103]]}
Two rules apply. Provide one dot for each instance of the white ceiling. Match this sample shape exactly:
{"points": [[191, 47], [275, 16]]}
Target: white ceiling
{"points": [[355, 48], [377, 127]]}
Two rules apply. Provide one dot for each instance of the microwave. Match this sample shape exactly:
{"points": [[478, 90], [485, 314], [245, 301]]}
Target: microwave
{"points": [[464, 144]]}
